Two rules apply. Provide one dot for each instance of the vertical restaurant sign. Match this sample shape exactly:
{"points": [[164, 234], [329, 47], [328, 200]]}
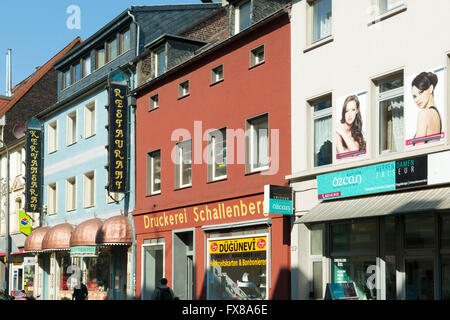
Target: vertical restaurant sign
{"points": [[118, 136], [33, 197]]}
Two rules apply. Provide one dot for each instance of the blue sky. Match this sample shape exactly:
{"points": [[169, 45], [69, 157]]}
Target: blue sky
{"points": [[36, 30]]}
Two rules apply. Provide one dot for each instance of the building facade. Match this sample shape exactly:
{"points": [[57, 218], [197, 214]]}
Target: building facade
{"points": [[210, 133], [370, 148], [87, 230]]}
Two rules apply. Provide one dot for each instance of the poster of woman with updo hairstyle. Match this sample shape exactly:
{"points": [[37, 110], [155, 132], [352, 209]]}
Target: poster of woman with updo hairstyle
{"points": [[424, 108], [350, 140]]}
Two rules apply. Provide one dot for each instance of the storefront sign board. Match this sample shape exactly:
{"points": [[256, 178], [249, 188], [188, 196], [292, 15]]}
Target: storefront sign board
{"points": [[341, 291], [83, 251], [277, 199], [33, 186]]}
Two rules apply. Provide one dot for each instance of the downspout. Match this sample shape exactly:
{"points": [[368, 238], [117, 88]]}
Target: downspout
{"points": [[138, 31]]}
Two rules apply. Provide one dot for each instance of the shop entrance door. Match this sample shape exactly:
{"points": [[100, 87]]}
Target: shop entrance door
{"points": [[419, 278], [17, 284], [152, 268], [183, 265]]}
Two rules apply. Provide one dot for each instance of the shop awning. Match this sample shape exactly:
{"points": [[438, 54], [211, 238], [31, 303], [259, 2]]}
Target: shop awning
{"points": [[58, 237], [115, 231], [413, 201], [85, 233], [33, 243]]}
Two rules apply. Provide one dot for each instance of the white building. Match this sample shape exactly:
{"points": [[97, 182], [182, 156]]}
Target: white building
{"points": [[392, 243]]}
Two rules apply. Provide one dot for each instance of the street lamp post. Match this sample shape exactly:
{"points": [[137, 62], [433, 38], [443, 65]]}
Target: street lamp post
{"points": [[8, 238]]}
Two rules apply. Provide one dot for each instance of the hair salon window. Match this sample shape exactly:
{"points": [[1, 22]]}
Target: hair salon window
{"points": [[322, 126], [390, 102], [321, 19]]}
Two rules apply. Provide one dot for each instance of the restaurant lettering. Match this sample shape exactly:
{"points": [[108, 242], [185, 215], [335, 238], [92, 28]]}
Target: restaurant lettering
{"points": [[118, 124], [33, 201]]}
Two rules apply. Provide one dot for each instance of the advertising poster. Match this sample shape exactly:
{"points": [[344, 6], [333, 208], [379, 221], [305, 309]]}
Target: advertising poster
{"points": [[424, 107], [238, 268], [351, 121]]}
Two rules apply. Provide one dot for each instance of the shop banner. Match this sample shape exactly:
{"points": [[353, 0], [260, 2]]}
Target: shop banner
{"points": [[359, 181], [33, 186], [277, 199], [83, 251], [25, 223], [350, 139], [238, 268], [118, 137], [425, 107], [411, 172]]}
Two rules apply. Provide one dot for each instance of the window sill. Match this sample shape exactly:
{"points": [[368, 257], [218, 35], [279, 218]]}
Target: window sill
{"points": [[89, 137], [217, 180], [51, 152], [153, 109], [217, 82], [71, 144], [90, 206], [257, 65], [319, 43], [183, 187], [257, 170], [153, 194], [388, 14], [182, 97]]}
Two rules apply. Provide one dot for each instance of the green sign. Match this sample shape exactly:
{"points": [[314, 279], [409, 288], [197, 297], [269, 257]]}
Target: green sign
{"points": [[278, 199], [83, 251], [24, 223]]}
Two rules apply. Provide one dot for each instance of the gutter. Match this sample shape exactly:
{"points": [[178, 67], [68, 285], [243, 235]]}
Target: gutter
{"points": [[275, 15]]}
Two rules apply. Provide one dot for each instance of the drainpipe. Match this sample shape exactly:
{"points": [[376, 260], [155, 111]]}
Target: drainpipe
{"points": [[138, 31]]}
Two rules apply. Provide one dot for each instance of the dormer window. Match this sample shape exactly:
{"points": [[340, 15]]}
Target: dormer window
{"points": [[160, 62], [100, 57], [125, 41], [112, 50], [242, 16]]}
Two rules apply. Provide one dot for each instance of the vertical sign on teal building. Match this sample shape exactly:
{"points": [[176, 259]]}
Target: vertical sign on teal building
{"points": [[33, 187]]}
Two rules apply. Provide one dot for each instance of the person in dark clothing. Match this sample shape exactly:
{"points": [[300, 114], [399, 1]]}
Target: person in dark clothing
{"points": [[163, 292], [80, 292]]}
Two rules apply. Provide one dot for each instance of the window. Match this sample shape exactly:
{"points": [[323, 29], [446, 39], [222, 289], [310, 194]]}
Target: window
{"points": [[321, 19], [71, 134], [242, 16], [388, 5], [68, 78], [183, 89], [217, 164], [71, 189], [112, 50], [154, 102], [390, 102], [160, 62], [125, 41], [77, 72], [89, 120], [51, 199], [257, 56], [52, 137], [100, 57], [322, 126], [183, 166], [154, 172], [258, 143], [89, 184], [86, 66], [217, 74]]}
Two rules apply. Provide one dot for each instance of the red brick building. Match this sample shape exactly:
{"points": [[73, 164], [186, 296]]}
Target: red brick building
{"points": [[210, 132]]}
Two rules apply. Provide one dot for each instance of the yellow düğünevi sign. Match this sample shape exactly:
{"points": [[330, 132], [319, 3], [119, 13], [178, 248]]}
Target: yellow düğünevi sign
{"points": [[238, 245]]}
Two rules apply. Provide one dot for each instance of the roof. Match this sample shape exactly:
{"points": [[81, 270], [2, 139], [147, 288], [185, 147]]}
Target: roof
{"points": [[30, 81]]}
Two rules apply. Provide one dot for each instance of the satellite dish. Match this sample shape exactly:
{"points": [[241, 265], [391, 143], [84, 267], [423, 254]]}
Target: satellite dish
{"points": [[19, 131]]}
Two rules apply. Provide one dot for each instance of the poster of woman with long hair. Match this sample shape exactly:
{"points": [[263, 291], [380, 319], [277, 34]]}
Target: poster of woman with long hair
{"points": [[350, 140], [424, 117]]}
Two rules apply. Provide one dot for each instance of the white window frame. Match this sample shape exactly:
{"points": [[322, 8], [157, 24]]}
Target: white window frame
{"points": [[90, 118], [154, 102], [71, 128], [251, 144], [179, 150], [312, 14], [89, 186], [52, 145], [255, 56], [383, 6], [71, 194], [387, 95], [151, 171], [316, 115], [157, 61], [183, 89], [237, 16], [52, 199], [217, 74], [212, 163]]}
